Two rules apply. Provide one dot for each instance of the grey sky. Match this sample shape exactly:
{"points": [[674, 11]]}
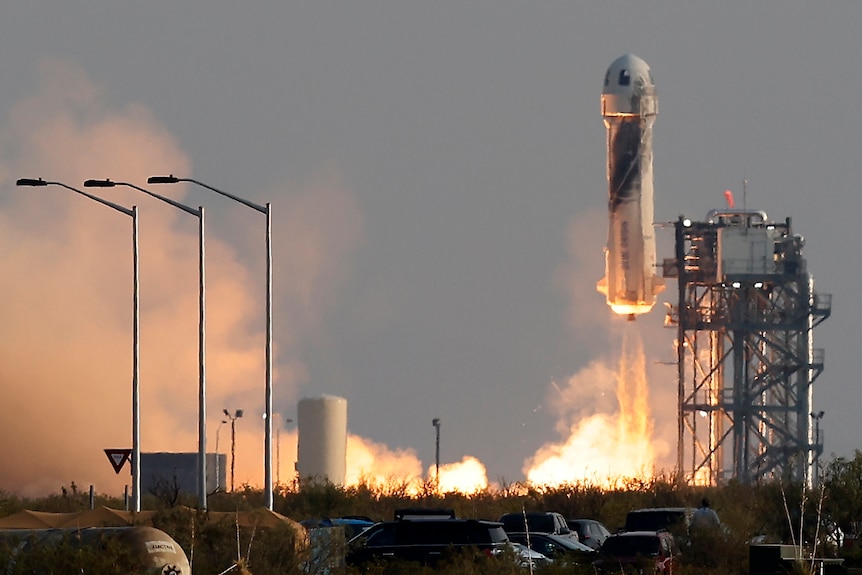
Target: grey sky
{"points": [[468, 138]]}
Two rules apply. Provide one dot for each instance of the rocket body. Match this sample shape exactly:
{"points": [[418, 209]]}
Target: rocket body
{"points": [[629, 109]]}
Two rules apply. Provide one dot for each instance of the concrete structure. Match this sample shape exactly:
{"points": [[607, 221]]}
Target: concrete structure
{"points": [[161, 471], [745, 319], [322, 449]]}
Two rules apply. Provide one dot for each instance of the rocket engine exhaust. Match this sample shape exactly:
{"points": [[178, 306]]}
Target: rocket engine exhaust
{"points": [[629, 109]]}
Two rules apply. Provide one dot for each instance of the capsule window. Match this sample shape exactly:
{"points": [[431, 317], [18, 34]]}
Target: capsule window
{"points": [[625, 78]]}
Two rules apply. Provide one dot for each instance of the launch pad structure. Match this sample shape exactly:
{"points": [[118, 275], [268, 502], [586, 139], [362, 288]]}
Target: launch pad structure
{"points": [[746, 362]]}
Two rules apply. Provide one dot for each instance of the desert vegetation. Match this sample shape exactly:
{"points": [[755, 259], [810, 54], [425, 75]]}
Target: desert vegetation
{"points": [[773, 512]]}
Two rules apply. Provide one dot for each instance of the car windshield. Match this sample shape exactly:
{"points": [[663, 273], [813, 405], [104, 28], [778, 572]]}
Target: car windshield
{"points": [[380, 536], [448, 532], [537, 523], [545, 543], [631, 545]]}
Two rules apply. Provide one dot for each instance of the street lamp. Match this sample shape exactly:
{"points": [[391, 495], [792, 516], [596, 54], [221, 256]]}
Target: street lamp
{"points": [[202, 409], [818, 447], [217, 456], [136, 349], [267, 211], [236, 415], [278, 451], [436, 423]]}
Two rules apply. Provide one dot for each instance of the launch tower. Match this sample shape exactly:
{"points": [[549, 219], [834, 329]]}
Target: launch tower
{"points": [[745, 320]]}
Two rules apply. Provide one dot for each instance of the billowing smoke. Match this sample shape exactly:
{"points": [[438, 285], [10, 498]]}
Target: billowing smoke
{"points": [[605, 415], [66, 350], [377, 465], [66, 278], [601, 446], [466, 476]]}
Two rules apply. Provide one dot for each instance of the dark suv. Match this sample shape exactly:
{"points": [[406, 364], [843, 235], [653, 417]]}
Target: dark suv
{"points": [[638, 552], [426, 540], [656, 518], [676, 520]]}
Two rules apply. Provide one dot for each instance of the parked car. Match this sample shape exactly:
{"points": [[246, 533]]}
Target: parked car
{"points": [[529, 558], [352, 526], [657, 518], [424, 513], [590, 532], [556, 547], [537, 522], [638, 552], [426, 540]]}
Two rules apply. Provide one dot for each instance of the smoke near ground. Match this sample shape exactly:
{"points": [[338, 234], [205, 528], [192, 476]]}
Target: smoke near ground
{"points": [[66, 334], [615, 416], [601, 447]]}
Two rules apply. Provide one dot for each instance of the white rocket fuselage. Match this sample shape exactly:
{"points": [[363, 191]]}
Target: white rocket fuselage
{"points": [[629, 108]]}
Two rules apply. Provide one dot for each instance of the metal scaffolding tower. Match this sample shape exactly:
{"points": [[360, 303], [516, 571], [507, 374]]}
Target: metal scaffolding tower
{"points": [[746, 363]]}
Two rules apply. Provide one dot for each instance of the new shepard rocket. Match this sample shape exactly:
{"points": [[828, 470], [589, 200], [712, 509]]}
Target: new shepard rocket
{"points": [[629, 108]]}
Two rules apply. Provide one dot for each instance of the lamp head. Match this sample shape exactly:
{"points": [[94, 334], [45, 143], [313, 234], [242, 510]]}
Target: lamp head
{"points": [[99, 184], [238, 413], [31, 182], [162, 179]]}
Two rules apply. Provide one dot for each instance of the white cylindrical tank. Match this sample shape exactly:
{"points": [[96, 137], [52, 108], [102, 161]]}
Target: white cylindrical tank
{"points": [[322, 448]]}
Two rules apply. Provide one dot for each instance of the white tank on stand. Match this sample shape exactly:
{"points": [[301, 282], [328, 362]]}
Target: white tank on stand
{"points": [[322, 446]]}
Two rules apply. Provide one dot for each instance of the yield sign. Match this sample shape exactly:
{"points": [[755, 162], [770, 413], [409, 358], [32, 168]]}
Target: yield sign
{"points": [[118, 458]]}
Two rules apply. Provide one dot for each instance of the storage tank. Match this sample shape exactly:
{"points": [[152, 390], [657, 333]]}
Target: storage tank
{"points": [[322, 449]]}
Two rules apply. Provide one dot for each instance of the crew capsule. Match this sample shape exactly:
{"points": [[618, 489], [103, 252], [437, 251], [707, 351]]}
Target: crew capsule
{"points": [[629, 88]]}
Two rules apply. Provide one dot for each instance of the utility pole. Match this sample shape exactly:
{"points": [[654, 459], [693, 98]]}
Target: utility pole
{"points": [[217, 457], [436, 424], [233, 417]]}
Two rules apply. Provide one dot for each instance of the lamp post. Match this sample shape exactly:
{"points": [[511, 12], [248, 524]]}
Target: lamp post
{"points": [[278, 451], [136, 349], [267, 211], [202, 410], [436, 423], [818, 447], [217, 456], [236, 415]]}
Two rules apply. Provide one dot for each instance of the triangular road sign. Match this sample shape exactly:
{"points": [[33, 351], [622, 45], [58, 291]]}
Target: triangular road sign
{"points": [[118, 458]]}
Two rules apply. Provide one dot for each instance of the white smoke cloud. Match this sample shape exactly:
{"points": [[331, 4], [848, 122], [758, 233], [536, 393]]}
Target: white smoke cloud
{"points": [[66, 353], [606, 412], [376, 464]]}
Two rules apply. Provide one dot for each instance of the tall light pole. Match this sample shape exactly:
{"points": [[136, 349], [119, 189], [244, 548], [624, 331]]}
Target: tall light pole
{"points": [[202, 404], [267, 211], [278, 451], [818, 447], [436, 423], [136, 348], [217, 456], [233, 417]]}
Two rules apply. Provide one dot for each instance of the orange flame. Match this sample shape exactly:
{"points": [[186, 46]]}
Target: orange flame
{"points": [[465, 476], [605, 449]]}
